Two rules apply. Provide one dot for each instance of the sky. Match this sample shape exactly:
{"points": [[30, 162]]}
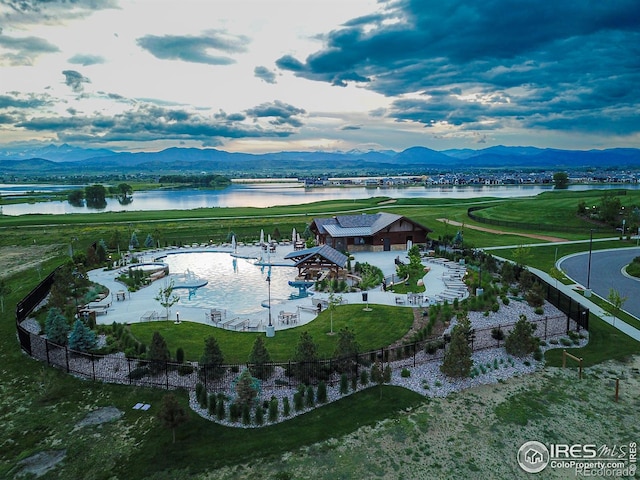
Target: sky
{"points": [[333, 75]]}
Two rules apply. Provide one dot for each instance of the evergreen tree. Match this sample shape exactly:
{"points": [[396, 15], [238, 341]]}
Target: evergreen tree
{"points": [[158, 354], [305, 356], [212, 359], [171, 414], [346, 350], [56, 327], [82, 338], [133, 242], [521, 341], [321, 394], [260, 360], [246, 389], [457, 358], [148, 242]]}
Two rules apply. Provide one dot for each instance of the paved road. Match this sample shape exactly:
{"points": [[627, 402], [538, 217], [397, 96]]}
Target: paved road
{"points": [[606, 266]]}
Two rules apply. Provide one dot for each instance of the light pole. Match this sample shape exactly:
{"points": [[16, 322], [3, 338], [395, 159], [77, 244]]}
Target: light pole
{"points": [[587, 292], [271, 331]]}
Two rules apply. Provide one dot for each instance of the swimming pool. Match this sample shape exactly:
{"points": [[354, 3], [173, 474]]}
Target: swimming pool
{"points": [[234, 284]]}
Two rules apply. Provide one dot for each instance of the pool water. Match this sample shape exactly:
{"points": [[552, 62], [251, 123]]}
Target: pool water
{"points": [[234, 284]]}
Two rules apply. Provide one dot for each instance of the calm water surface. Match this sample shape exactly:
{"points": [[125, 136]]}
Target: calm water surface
{"points": [[269, 195]]}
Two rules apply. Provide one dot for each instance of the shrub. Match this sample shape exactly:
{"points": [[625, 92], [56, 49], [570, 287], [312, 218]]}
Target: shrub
{"points": [[180, 355], [221, 411], [537, 355], [246, 414], [344, 384], [212, 404], [286, 408], [199, 389], [185, 369], [405, 373], [234, 412], [497, 334], [566, 342], [364, 378], [259, 415], [273, 409], [138, 373], [495, 307], [539, 311], [321, 394], [553, 341], [521, 340], [310, 397], [298, 401]]}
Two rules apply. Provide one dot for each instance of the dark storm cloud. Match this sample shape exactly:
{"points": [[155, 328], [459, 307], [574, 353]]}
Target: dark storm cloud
{"points": [[265, 74], [75, 80], [279, 112], [13, 101], [23, 50], [150, 122], [195, 49], [86, 59], [561, 63]]}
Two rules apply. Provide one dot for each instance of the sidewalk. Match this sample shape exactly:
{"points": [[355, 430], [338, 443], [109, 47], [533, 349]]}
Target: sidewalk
{"points": [[595, 309]]}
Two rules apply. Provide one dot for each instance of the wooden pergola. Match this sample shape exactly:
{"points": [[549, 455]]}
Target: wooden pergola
{"points": [[314, 262]]}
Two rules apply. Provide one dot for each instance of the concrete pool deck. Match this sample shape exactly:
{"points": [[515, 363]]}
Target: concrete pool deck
{"points": [[137, 306]]}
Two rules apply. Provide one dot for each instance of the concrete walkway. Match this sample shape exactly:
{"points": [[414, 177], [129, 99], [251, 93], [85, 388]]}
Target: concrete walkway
{"points": [[137, 306]]}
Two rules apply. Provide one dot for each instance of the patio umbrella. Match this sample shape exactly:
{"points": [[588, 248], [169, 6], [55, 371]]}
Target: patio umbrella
{"points": [[233, 243], [294, 235], [261, 237], [269, 238]]}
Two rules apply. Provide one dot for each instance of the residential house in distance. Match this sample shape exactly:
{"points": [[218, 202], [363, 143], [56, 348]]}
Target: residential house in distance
{"points": [[368, 232]]}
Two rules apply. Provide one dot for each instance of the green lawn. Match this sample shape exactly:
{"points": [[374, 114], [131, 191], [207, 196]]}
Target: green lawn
{"points": [[375, 329]]}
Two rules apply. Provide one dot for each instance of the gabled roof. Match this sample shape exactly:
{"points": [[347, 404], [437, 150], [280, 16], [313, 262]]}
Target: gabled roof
{"points": [[365, 225], [325, 251]]}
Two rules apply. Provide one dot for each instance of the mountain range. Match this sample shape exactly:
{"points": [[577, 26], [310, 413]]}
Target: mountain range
{"points": [[61, 160]]}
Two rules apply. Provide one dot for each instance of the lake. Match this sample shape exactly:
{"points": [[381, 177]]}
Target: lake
{"points": [[269, 195]]}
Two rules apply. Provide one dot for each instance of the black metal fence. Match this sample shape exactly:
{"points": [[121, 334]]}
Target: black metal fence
{"points": [[117, 368]]}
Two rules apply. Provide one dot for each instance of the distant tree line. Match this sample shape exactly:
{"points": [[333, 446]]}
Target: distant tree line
{"points": [[95, 195], [197, 180]]}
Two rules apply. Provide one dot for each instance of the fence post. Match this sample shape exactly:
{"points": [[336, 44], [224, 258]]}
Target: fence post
{"points": [[166, 373], [129, 369], [93, 367], [415, 348], [66, 354], [46, 347], [546, 321]]}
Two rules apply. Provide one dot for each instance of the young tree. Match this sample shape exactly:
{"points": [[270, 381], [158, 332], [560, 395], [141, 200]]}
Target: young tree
{"points": [[617, 301], [380, 375], [334, 301], [521, 341], [166, 297], [158, 353], [56, 327], [82, 338], [457, 358], [522, 255], [260, 360], [171, 414], [212, 359]]}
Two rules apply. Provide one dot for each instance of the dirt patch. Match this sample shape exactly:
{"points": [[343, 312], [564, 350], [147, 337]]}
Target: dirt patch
{"points": [[102, 415], [16, 259], [40, 463], [501, 232]]}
